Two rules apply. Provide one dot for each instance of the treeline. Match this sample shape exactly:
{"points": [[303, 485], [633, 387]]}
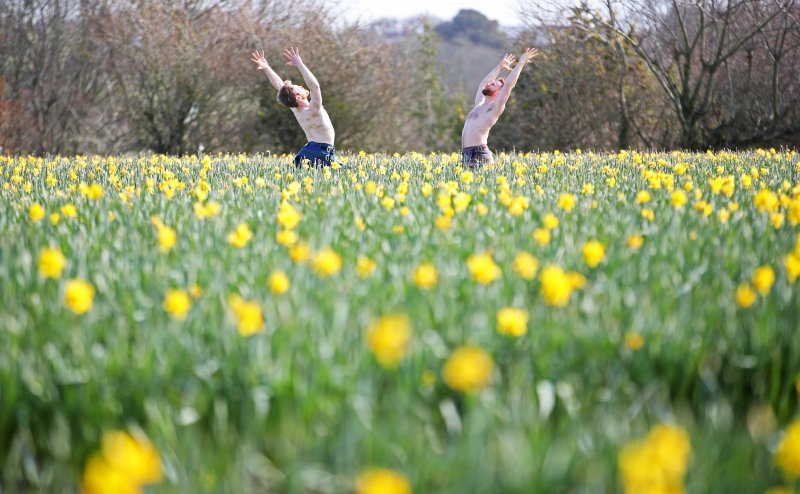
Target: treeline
{"points": [[111, 76], [703, 74], [115, 76]]}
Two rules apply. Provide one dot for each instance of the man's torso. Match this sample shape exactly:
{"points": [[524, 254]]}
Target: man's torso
{"points": [[316, 125], [478, 123]]}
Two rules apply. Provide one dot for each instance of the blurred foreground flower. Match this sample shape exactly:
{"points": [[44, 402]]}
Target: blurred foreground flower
{"points": [[278, 282], [249, 318], [512, 321], [288, 217], [788, 454], [526, 266], [299, 252], [658, 463], [388, 338], [763, 278], [566, 202], [365, 266], [327, 262], [239, 237], [79, 296], [483, 268], [635, 241], [678, 199], [792, 264], [550, 221], [556, 286], [468, 369], [542, 236], [382, 481], [425, 276], [124, 464], [51, 263], [745, 295], [36, 212], [593, 253], [166, 235], [177, 304], [634, 340]]}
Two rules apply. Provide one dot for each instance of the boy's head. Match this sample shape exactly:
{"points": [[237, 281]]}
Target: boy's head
{"points": [[292, 95]]}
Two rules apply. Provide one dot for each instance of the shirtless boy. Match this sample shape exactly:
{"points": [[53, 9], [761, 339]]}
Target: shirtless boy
{"points": [[490, 102], [311, 116]]}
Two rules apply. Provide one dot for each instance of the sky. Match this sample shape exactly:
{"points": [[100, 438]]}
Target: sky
{"points": [[503, 11]]}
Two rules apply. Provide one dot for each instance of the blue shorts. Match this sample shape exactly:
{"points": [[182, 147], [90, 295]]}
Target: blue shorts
{"points": [[317, 153], [474, 156]]}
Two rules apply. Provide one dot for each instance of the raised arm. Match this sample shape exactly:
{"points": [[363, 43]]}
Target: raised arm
{"points": [[505, 64], [292, 57], [511, 80], [274, 79]]}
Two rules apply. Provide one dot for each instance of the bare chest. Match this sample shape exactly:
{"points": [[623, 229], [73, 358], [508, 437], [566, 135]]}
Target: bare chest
{"points": [[482, 113], [307, 119]]}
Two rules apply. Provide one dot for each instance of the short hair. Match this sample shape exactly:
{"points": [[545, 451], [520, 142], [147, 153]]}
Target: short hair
{"points": [[286, 95]]}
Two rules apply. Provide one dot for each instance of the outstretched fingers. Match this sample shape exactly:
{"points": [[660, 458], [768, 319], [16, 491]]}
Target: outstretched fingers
{"points": [[507, 61], [290, 56], [258, 59], [530, 54]]}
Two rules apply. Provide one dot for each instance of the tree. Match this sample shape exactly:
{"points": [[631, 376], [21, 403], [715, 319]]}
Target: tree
{"points": [[13, 123], [583, 91], [47, 59], [176, 82], [694, 50], [439, 116]]}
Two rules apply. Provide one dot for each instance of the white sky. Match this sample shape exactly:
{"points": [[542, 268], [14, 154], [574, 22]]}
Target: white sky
{"points": [[503, 11]]}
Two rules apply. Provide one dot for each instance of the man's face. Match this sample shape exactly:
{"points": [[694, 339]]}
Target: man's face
{"points": [[301, 93], [492, 88]]}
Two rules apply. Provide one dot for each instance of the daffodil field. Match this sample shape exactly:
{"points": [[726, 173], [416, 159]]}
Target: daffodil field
{"points": [[583, 323]]}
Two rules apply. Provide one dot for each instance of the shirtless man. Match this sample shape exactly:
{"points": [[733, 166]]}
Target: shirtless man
{"points": [[490, 102], [311, 116]]}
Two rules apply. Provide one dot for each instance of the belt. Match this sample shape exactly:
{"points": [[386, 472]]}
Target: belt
{"points": [[323, 147]]}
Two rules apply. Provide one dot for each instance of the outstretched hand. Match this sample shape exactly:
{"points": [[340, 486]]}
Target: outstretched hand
{"points": [[507, 62], [292, 57], [529, 55], [258, 59]]}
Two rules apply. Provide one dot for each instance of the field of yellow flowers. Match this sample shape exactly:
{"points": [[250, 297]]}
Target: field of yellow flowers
{"points": [[584, 323]]}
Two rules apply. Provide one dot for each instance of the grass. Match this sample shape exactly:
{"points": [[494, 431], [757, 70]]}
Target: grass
{"points": [[303, 405]]}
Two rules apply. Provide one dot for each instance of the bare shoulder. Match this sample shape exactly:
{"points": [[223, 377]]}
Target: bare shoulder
{"points": [[315, 112]]}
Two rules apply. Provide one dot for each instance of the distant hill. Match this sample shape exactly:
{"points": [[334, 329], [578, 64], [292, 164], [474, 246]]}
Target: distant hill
{"points": [[472, 26], [470, 45]]}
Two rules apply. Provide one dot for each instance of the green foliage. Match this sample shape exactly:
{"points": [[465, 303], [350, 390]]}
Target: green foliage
{"points": [[302, 406], [439, 114]]}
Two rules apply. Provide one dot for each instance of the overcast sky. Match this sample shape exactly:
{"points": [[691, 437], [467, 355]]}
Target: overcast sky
{"points": [[503, 11]]}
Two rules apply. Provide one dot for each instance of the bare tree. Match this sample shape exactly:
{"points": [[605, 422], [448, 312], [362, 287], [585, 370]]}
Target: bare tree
{"points": [[47, 59], [13, 122], [689, 46], [587, 89], [759, 94], [177, 81]]}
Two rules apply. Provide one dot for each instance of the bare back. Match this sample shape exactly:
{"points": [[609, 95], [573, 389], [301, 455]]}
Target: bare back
{"points": [[316, 125], [479, 122]]}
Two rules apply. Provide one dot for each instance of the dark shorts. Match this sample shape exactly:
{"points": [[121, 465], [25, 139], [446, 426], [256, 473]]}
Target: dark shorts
{"points": [[317, 153], [476, 156]]}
